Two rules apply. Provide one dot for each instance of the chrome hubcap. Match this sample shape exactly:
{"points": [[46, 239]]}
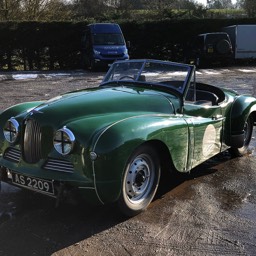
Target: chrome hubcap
{"points": [[138, 181]]}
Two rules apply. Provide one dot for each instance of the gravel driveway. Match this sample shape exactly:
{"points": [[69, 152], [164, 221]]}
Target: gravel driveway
{"points": [[209, 212]]}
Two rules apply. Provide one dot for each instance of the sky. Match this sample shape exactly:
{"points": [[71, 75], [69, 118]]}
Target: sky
{"points": [[205, 1]]}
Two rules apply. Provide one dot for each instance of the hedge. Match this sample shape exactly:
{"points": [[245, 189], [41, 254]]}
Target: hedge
{"points": [[57, 45]]}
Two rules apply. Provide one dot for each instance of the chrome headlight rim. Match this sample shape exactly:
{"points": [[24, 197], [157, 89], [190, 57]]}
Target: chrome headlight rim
{"points": [[64, 141], [11, 130]]}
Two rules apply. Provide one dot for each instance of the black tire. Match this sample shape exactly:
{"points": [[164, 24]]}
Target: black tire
{"points": [[201, 62], [223, 46], [91, 64], [140, 181], [248, 129]]}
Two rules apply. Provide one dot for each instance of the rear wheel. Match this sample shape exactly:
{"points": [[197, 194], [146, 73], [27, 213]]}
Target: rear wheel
{"points": [[223, 47], [140, 181], [248, 128]]}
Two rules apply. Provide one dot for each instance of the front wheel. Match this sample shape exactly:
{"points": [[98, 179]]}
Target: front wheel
{"points": [[91, 65], [248, 129], [140, 181]]}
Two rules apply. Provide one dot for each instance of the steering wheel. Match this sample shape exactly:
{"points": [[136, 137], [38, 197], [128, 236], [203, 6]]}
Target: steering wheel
{"points": [[123, 77]]}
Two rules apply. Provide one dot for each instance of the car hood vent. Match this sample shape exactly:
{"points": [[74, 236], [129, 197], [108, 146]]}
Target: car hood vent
{"points": [[12, 154], [59, 165]]}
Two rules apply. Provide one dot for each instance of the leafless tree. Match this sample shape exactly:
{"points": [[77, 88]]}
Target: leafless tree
{"points": [[89, 8], [10, 9], [220, 4], [34, 10], [250, 7]]}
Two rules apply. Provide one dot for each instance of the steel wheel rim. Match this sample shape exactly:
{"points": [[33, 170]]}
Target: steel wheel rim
{"points": [[139, 179]]}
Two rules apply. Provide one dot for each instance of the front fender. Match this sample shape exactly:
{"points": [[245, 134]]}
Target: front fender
{"points": [[17, 109], [242, 107], [117, 142]]}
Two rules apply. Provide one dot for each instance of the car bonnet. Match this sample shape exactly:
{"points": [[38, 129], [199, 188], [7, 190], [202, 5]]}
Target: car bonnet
{"points": [[106, 101]]}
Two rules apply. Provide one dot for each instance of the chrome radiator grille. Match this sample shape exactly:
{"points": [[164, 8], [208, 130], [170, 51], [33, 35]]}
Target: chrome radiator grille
{"points": [[32, 142]]}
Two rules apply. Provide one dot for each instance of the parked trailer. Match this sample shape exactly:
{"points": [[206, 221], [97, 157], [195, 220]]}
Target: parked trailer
{"points": [[243, 39]]}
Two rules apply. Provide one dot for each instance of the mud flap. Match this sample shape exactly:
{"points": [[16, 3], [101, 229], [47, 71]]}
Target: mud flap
{"points": [[237, 140]]}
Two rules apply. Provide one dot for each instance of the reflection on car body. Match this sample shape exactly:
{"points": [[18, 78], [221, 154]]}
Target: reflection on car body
{"points": [[112, 143]]}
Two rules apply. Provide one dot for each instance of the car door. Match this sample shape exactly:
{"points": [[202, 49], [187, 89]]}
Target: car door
{"points": [[205, 124]]}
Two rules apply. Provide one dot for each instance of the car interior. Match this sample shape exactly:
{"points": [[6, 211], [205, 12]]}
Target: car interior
{"points": [[204, 94]]}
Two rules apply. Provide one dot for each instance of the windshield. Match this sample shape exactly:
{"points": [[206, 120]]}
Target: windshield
{"points": [[161, 73], [108, 39], [213, 38]]}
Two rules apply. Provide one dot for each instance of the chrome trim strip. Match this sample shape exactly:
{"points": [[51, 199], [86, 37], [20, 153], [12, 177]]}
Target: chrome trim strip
{"points": [[94, 181], [86, 188]]}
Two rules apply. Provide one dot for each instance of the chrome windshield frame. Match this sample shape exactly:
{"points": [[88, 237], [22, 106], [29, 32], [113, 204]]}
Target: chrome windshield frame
{"points": [[147, 71]]}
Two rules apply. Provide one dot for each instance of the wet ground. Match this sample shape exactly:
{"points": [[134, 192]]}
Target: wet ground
{"points": [[209, 212]]}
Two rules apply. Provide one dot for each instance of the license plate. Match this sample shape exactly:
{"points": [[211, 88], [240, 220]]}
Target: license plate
{"points": [[39, 185]]}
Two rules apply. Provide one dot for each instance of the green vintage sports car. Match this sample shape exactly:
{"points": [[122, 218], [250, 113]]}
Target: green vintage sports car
{"points": [[112, 143]]}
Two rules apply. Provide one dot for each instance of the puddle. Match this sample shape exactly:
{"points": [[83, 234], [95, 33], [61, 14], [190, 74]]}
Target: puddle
{"points": [[7, 207], [247, 211]]}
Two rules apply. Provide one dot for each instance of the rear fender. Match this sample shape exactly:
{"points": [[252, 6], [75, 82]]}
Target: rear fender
{"points": [[242, 108]]}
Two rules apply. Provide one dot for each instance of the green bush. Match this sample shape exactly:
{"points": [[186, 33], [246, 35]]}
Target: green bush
{"points": [[57, 45]]}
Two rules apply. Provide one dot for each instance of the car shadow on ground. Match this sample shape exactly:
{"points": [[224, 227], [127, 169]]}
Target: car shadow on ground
{"points": [[172, 179], [33, 226]]}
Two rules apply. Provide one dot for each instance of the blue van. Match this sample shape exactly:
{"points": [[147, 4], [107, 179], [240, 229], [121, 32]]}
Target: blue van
{"points": [[102, 44]]}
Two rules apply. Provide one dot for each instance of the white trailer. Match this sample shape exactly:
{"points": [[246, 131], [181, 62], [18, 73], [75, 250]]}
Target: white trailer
{"points": [[243, 39]]}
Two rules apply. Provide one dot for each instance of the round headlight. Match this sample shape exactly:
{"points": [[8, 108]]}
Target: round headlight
{"points": [[64, 141], [11, 130]]}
